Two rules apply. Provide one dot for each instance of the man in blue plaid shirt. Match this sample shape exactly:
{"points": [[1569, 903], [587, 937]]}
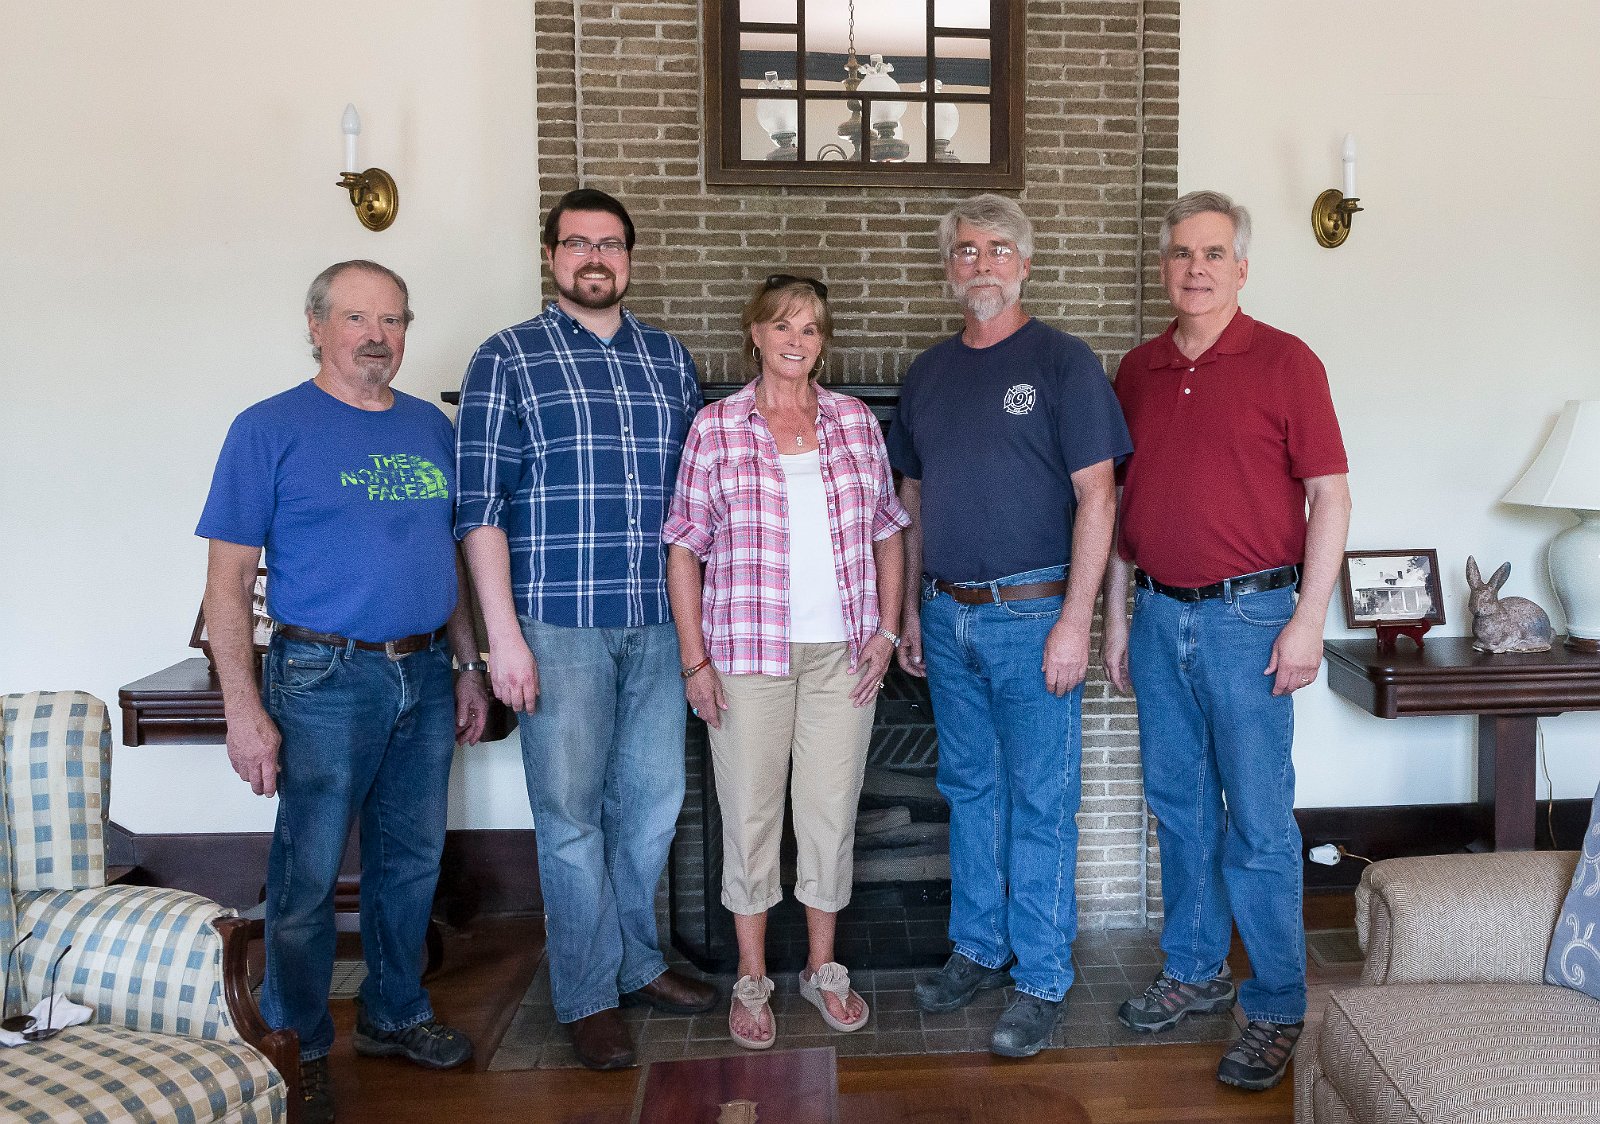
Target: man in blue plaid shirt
{"points": [[567, 446]]}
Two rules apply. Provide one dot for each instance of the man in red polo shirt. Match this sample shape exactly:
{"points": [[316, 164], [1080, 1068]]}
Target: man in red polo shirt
{"points": [[1234, 508]]}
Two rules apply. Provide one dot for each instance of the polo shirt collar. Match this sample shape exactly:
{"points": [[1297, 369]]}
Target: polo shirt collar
{"points": [[1235, 340]]}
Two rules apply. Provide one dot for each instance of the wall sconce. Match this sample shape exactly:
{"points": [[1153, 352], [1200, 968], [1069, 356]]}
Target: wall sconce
{"points": [[373, 192], [1334, 211]]}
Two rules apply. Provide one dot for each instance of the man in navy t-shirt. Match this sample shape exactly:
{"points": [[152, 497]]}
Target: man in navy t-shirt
{"points": [[1007, 437], [347, 485]]}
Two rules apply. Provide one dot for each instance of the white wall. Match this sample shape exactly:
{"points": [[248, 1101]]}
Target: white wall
{"points": [[1457, 318], [168, 194]]}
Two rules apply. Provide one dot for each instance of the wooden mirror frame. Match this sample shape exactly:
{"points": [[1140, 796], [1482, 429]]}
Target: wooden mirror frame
{"points": [[724, 163]]}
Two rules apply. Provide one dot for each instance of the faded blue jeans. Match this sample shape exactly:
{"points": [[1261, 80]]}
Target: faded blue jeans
{"points": [[1010, 759], [363, 736], [603, 754], [1218, 776]]}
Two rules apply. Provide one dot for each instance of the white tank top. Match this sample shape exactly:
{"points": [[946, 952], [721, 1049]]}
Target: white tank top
{"points": [[816, 613]]}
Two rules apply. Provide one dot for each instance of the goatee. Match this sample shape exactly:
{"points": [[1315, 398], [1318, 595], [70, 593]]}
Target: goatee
{"points": [[598, 300]]}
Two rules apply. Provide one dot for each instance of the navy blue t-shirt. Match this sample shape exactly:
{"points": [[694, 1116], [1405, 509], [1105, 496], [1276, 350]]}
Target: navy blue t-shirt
{"points": [[995, 434], [353, 508]]}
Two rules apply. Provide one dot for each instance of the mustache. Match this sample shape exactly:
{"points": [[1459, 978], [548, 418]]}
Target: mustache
{"points": [[375, 351]]}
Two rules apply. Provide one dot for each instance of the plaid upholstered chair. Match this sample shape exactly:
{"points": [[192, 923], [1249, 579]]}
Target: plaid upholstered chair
{"points": [[163, 970]]}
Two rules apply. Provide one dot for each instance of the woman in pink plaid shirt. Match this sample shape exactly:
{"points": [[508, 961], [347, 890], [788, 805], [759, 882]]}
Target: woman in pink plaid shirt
{"points": [[785, 568]]}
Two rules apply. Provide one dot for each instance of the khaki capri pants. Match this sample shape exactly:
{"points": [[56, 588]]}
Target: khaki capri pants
{"points": [[804, 717]]}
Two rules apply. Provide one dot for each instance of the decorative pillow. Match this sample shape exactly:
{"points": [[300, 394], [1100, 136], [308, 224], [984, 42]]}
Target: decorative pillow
{"points": [[1574, 959]]}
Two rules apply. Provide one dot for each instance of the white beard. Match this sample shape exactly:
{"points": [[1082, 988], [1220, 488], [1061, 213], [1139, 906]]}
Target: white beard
{"points": [[986, 299]]}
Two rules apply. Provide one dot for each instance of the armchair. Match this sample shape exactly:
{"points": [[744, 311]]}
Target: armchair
{"points": [[175, 1034], [1452, 1020]]}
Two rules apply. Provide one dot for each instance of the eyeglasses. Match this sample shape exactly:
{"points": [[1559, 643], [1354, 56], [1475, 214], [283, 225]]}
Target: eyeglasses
{"points": [[27, 1025], [1000, 253], [779, 280], [582, 247], [15, 1024]]}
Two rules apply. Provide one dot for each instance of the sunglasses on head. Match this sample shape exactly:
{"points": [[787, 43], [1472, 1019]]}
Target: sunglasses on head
{"points": [[779, 280]]}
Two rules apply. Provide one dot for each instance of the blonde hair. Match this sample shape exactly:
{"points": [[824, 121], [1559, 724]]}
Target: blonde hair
{"points": [[775, 302]]}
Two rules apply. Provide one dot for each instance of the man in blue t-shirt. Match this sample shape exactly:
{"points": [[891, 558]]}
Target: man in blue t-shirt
{"points": [[346, 484], [1007, 436]]}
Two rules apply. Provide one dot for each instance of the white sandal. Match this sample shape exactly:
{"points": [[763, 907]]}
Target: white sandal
{"points": [[832, 978], [752, 993]]}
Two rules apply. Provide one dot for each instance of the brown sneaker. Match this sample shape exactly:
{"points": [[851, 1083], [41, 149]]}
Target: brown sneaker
{"points": [[1261, 1055]]}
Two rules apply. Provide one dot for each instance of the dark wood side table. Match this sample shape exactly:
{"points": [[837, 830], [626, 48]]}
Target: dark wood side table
{"points": [[1507, 693], [182, 705]]}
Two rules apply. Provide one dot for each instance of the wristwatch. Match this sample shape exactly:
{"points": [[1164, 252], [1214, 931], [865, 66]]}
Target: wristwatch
{"points": [[475, 665], [889, 636]]}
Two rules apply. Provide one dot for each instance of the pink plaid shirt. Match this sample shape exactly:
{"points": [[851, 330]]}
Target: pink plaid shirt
{"points": [[730, 509]]}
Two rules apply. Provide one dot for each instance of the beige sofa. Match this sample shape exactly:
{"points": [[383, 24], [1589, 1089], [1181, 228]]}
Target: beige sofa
{"points": [[1452, 1022]]}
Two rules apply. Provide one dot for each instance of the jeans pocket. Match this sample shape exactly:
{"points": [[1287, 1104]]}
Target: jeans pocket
{"points": [[1271, 608], [303, 668], [1032, 608]]}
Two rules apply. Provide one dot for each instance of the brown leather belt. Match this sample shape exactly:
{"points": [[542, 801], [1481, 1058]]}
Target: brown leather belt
{"points": [[394, 649], [989, 595]]}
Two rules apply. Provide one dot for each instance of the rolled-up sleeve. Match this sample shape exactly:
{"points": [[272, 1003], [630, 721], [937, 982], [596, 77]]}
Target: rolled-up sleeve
{"points": [[489, 443], [891, 515], [690, 517]]}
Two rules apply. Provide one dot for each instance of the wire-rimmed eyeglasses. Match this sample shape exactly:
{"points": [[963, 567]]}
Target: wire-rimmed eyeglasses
{"points": [[27, 1025], [582, 247], [999, 253]]}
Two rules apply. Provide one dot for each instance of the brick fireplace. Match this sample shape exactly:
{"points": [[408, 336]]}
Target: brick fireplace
{"points": [[618, 104]]}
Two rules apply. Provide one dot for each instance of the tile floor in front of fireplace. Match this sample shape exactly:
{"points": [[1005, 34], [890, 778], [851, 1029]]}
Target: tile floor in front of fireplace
{"points": [[1111, 966]]}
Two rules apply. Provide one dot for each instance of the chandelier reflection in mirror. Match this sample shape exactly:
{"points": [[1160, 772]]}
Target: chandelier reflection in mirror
{"points": [[926, 96]]}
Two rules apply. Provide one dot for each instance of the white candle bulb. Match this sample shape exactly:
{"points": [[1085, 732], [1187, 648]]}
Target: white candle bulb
{"points": [[1349, 165], [351, 123]]}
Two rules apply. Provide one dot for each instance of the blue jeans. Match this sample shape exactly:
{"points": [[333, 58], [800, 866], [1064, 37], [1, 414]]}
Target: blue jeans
{"points": [[1218, 776], [603, 754], [362, 736], [1010, 757]]}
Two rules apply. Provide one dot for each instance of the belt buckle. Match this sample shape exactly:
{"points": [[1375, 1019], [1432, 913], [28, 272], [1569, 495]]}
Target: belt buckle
{"points": [[393, 652]]}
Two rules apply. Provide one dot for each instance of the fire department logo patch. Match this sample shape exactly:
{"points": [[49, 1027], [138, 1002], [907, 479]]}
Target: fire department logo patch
{"points": [[1020, 399]]}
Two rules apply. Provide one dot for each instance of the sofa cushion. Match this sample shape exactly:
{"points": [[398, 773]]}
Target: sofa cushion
{"points": [[105, 1073], [1574, 959], [1462, 1053]]}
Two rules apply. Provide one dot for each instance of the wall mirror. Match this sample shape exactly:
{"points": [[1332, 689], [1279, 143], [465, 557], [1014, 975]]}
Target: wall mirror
{"points": [[877, 92]]}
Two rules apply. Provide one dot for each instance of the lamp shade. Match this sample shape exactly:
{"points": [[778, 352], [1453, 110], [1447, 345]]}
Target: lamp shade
{"points": [[1566, 473]]}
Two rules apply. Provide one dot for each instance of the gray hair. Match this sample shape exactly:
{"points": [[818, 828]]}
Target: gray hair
{"points": [[317, 296], [992, 214], [1204, 203]]}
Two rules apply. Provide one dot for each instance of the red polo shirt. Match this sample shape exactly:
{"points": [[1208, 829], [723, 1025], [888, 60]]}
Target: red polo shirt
{"points": [[1221, 445]]}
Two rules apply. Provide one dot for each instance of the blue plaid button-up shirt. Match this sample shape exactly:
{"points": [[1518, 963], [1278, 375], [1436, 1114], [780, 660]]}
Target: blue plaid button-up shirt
{"points": [[570, 444]]}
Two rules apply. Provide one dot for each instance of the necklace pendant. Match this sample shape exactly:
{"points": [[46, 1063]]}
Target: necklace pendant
{"points": [[799, 440]]}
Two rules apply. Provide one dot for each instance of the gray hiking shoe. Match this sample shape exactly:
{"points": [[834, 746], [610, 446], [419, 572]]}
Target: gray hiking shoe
{"points": [[1261, 1055], [954, 985], [1166, 1001], [1025, 1027], [430, 1043]]}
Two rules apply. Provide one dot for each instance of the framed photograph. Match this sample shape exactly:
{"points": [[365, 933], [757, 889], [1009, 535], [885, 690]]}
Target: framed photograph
{"points": [[1392, 587], [261, 623]]}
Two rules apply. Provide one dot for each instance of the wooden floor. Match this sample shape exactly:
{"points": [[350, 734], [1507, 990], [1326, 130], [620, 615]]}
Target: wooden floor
{"points": [[488, 967]]}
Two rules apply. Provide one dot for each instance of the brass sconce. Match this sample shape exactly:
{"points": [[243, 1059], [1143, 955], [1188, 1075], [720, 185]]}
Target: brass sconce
{"points": [[373, 192], [1335, 210]]}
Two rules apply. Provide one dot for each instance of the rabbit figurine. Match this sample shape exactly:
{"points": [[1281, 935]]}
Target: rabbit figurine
{"points": [[1504, 624]]}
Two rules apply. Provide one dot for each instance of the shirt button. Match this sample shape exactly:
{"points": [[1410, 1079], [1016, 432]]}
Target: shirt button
{"points": [[630, 476], [1186, 390], [1191, 370], [633, 522], [625, 429]]}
